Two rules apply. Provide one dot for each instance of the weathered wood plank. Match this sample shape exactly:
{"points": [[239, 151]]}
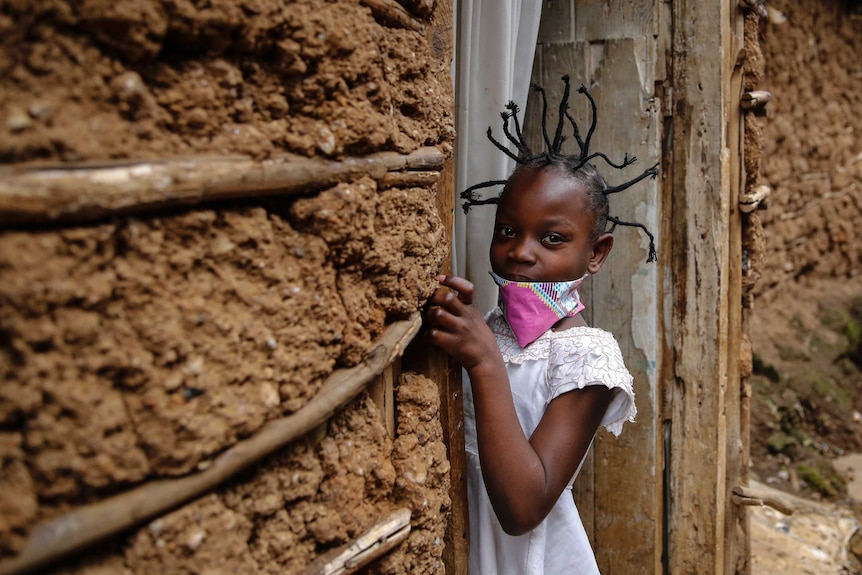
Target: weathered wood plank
{"points": [[532, 107], [736, 526], [557, 23], [556, 60], [599, 20], [625, 299], [702, 400]]}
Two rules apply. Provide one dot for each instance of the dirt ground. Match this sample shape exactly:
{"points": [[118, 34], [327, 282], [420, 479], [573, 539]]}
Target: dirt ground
{"points": [[807, 383], [138, 348]]}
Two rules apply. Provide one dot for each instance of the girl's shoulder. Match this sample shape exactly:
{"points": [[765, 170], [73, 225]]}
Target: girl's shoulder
{"points": [[573, 359]]}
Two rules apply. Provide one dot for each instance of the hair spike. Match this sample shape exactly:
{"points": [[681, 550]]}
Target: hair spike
{"points": [[501, 147], [523, 150], [471, 199], [577, 132], [651, 257], [564, 106], [651, 173], [513, 108], [541, 91], [593, 121]]}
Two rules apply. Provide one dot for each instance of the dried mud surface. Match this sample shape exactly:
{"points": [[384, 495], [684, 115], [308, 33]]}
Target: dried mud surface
{"points": [[806, 400], [96, 79], [298, 504], [813, 155], [142, 347]]}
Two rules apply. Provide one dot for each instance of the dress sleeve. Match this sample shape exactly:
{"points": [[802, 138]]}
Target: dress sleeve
{"points": [[592, 357]]}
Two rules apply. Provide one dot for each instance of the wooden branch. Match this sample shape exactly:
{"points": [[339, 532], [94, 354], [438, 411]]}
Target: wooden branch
{"points": [[40, 193], [747, 495], [409, 179], [92, 523], [371, 545], [392, 13]]}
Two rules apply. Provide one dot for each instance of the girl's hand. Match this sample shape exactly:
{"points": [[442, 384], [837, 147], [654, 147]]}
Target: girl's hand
{"points": [[456, 325]]}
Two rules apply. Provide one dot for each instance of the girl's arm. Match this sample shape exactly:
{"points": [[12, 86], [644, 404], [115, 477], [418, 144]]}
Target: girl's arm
{"points": [[524, 476]]}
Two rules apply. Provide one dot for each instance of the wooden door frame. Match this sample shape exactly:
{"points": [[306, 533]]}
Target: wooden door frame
{"points": [[701, 404]]}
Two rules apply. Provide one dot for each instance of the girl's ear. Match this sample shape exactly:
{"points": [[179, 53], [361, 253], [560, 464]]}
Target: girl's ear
{"points": [[601, 248]]}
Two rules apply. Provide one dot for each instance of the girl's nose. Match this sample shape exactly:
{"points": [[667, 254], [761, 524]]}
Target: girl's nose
{"points": [[522, 252]]}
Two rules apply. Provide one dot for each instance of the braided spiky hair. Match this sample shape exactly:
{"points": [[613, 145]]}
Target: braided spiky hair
{"points": [[552, 156]]}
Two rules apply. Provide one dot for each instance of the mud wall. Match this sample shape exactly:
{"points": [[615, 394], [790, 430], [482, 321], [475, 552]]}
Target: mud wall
{"points": [[812, 154], [138, 348]]}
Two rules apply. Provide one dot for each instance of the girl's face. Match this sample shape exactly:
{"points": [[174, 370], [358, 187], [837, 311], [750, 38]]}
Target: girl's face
{"points": [[542, 231]]}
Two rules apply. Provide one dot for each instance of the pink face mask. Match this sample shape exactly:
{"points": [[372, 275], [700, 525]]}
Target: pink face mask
{"points": [[532, 308]]}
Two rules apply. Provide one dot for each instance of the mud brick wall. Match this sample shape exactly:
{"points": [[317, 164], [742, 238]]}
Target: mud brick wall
{"points": [[812, 154], [139, 347]]}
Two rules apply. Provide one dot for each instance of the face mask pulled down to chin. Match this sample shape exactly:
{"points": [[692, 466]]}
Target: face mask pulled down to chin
{"points": [[532, 308]]}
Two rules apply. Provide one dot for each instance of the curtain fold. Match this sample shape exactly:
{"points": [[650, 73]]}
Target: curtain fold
{"points": [[495, 46]]}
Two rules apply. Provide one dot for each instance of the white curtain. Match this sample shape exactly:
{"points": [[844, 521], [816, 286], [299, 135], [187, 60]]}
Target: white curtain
{"points": [[495, 45]]}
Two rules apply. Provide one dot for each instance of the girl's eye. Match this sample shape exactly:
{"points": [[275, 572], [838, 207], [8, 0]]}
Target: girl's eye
{"points": [[505, 231], [553, 239]]}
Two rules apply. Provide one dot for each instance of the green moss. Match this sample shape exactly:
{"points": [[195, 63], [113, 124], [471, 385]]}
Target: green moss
{"points": [[823, 481], [779, 442], [853, 331], [834, 318], [828, 389]]}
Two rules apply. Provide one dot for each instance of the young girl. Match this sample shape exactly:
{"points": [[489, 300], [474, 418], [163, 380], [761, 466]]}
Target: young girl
{"points": [[541, 381]]}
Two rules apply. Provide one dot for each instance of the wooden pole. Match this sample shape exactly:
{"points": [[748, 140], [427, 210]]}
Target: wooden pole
{"points": [[46, 193], [703, 380]]}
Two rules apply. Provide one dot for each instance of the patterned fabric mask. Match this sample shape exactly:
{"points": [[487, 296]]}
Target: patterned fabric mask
{"points": [[532, 308]]}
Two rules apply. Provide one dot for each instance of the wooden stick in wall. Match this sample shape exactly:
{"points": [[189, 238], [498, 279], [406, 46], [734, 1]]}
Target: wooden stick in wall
{"points": [[81, 528], [381, 538], [45, 193]]}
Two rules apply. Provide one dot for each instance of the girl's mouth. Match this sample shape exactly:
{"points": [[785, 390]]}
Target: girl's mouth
{"points": [[516, 278]]}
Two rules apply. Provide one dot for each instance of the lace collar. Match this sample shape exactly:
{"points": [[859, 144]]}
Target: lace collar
{"points": [[539, 349]]}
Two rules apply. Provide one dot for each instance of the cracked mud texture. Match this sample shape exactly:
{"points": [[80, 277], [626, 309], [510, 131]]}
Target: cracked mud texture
{"points": [[142, 347], [97, 79]]}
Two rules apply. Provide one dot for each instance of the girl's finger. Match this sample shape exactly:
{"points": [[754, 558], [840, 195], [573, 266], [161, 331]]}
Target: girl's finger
{"points": [[444, 340], [448, 300], [441, 319], [463, 288], [438, 298]]}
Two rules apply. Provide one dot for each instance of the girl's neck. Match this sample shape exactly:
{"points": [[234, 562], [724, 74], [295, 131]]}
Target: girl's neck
{"points": [[570, 322]]}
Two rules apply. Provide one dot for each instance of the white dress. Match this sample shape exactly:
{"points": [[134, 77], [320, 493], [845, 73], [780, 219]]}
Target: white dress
{"points": [[557, 362]]}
